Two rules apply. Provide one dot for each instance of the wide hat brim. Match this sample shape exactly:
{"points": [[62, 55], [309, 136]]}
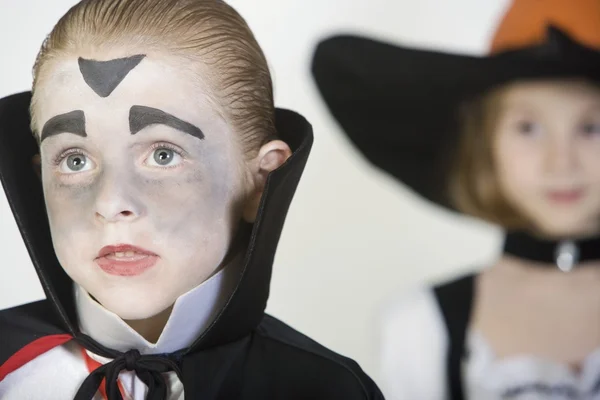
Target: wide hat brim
{"points": [[399, 106]]}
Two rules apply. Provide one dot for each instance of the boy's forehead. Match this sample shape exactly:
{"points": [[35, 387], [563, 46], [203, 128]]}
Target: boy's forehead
{"points": [[77, 82], [105, 77], [110, 89]]}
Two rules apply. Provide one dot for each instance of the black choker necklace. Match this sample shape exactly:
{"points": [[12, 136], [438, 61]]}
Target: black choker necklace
{"points": [[564, 254]]}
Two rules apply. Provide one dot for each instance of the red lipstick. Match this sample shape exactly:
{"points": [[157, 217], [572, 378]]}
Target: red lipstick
{"points": [[125, 260]]}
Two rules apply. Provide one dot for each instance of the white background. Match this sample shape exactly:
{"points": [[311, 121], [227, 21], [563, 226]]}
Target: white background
{"points": [[354, 237]]}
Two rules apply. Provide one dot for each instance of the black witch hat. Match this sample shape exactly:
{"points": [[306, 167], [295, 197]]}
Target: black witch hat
{"points": [[399, 105]]}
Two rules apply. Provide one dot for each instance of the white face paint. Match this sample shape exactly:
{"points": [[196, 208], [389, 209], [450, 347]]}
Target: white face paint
{"points": [[164, 191]]}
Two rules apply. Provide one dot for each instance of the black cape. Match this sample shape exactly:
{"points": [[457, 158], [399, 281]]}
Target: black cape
{"points": [[244, 354]]}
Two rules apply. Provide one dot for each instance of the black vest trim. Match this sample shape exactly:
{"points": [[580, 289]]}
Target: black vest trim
{"points": [[455, 300]]}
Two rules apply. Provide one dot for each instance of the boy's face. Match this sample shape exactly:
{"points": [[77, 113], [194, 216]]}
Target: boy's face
{"points": [[143, 180], [547, 155]]}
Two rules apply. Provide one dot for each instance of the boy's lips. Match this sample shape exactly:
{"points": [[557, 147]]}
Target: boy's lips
{"points": [[123, 248], [125, 260]]}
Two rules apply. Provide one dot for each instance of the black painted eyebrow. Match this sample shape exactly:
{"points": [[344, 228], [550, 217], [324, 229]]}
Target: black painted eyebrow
{"points": [[141, 117], [71, 122]]}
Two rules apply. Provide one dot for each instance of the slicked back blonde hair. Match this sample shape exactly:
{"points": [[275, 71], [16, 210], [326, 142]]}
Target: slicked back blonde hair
{"points": [[208, 32]]}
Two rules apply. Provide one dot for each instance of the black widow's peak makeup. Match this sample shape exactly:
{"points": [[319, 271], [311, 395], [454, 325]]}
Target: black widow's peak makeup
{"points": [[103, 77]]}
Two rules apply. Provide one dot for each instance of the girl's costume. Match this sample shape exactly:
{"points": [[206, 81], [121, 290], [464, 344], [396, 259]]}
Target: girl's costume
{"points": [[400, 107]]}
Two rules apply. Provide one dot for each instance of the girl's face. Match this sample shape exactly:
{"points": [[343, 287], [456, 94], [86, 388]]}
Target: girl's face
{"points": [[546, 150], [143, 185]]}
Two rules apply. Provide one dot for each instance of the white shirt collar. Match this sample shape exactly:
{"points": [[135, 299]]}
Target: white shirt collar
{"points": [[192, 313]]}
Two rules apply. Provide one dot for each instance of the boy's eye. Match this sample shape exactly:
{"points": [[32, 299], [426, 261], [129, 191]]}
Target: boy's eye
{"points": [[74, 163], [163, 157]]}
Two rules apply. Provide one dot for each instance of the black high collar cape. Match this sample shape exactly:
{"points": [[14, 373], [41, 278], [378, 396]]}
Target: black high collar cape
{"points": [[244, 354]]}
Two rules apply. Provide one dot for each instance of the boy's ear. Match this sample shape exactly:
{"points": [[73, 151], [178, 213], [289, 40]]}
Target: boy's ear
{"points": [[270, 157], [36, 163]]}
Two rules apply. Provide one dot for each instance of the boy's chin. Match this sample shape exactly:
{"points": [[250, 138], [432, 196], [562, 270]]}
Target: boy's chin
{"points": [[132, 307]]}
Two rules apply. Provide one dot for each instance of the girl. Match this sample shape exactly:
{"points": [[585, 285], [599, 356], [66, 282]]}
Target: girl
{"points": [[513, 138]]}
